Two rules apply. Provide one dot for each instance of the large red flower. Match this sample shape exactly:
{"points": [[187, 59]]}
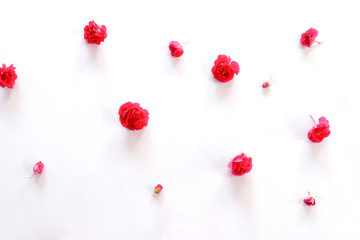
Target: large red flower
{"points": [[132, 116], [308, 37], [320, 131], [224, 69], [240, 165], [94, 34], [7, 76]]}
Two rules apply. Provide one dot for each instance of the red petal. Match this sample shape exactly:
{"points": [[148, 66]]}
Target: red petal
{"points": [[235, 66]]}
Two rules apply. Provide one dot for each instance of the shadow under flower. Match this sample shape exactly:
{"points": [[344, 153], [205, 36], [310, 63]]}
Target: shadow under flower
{"points": [[242, 188]]}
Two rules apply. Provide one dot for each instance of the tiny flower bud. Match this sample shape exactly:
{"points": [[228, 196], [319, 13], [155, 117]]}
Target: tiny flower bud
{"points": [[310, 201], [158, 189], [7, 76], [268, 83], [38, 168], [308, 37], [176, 49]]}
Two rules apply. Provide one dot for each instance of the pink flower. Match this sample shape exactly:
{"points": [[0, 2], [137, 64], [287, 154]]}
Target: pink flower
{"points": [[308, 37], [7, 76], [38, 168], [268, 83], [224, 69], [176, 49], [310, 201], [240, 165], [158, 189], [319, 131], [94, 34]]}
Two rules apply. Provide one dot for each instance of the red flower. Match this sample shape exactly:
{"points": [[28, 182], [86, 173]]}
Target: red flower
{"points": [[158, 189], [319, 131], [268, 83], [223, 69], [94, 34], [7, 76], [308, 37], [310, 201], [241, 164], [38, 168], [132, 116], [176, 49]]}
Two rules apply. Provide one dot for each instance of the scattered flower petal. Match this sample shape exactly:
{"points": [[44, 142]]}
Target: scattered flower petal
{"points": [[7, 76], [132, 116], [94, 34], [241, 164], [176, 49], [308, 37], [319, 131], [158, 189], [223, 69]]}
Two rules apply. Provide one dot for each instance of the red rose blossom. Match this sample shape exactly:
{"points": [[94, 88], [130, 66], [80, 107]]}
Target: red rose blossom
{"points": [[310, 201], [240, 165], [176, 49], [319, 131], [7, 76], [38, 168], [308, 37], [158, 189], [132, 116], [224, 69], [94, 34]]}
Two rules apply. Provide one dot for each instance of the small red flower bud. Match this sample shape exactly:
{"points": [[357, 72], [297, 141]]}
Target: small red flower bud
{"points": [[308, 37], [158, 189], [176, 49], [94, 34], [7, 76], [241, 164], [268, 83], [38, 168], [320, 130], [310, 201]]}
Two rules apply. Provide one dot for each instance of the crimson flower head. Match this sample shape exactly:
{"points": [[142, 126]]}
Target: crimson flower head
{"points": [[38, 168], [7, 76], [176, 49], [310, 201], [132, 116], [94, 34], [319, 131], [158, 189], [240, 165], [224, 69], [308, 37]]}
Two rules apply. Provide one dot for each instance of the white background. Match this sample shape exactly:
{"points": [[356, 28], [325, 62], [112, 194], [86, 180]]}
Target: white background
{"points": [[99, 177]]}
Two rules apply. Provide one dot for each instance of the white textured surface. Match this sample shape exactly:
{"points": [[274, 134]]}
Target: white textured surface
{"points": [[99, 177]]}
